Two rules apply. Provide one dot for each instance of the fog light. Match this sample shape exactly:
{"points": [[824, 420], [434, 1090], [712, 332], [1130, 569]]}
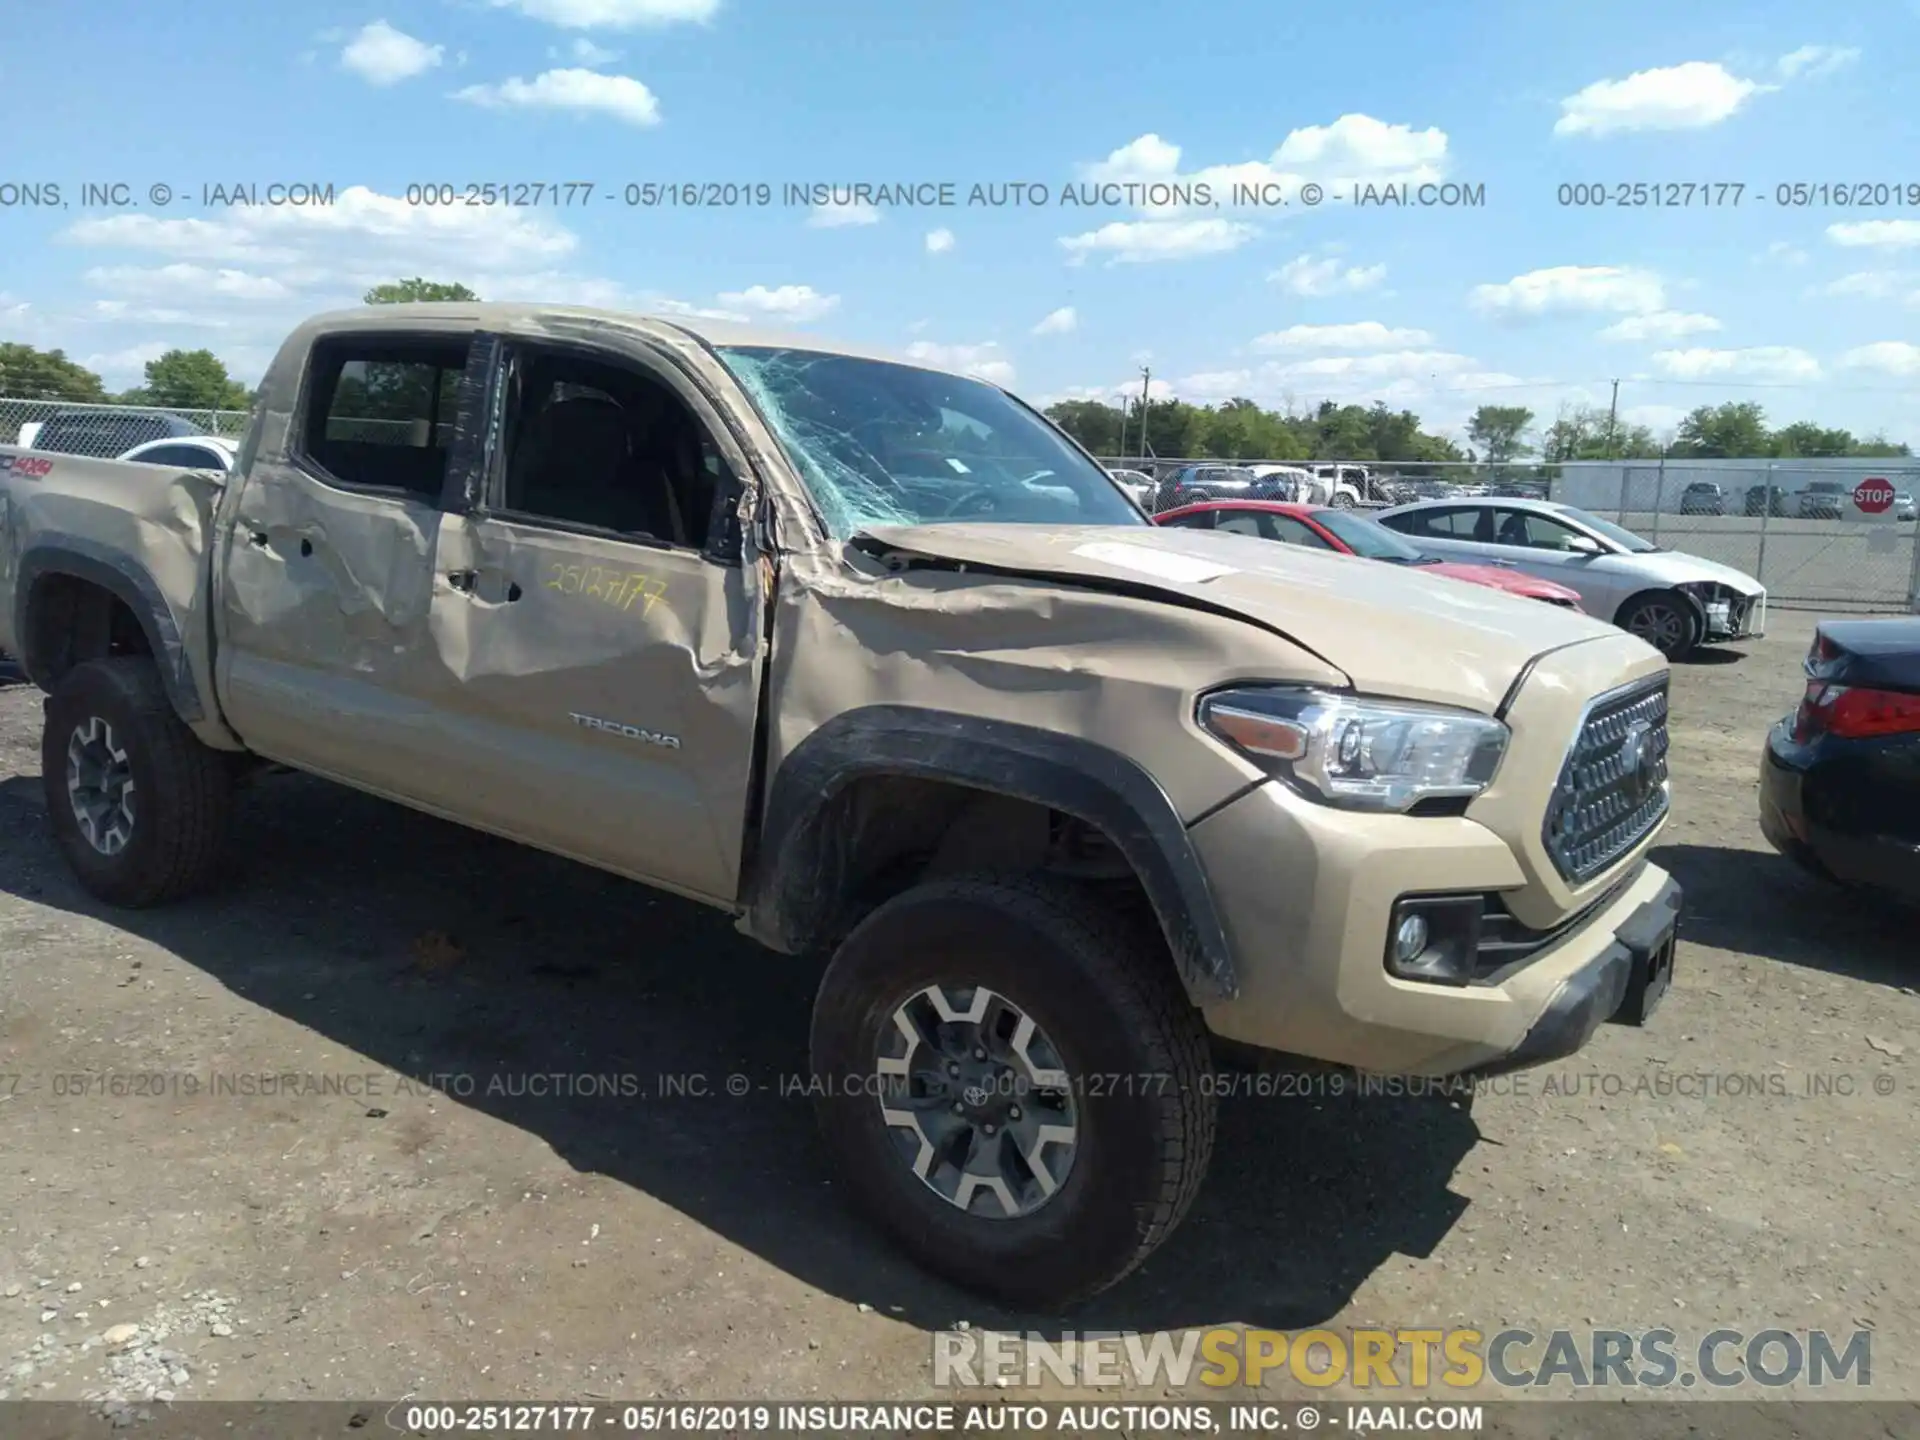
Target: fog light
{"points": [[1434, 938], [1410, 939]]}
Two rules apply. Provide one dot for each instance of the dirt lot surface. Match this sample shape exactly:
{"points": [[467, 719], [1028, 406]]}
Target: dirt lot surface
{"points": [[477, 1216]]}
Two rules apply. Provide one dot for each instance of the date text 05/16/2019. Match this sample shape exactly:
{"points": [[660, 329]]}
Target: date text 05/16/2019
{"points": [[1738, 194]]}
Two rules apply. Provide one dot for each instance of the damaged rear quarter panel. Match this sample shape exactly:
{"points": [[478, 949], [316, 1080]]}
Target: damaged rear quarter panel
{"points": [[149, 525]]}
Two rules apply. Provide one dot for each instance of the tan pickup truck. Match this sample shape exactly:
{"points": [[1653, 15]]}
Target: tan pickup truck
{"points": [[876, 659]]}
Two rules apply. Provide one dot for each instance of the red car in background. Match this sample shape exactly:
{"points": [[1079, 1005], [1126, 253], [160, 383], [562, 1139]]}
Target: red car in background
{"points": [[1321, 527]]}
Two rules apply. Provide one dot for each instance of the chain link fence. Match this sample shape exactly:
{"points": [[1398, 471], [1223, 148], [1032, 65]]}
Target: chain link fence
{"points": [[1825, 534], [107, 430], [1833, 535]]}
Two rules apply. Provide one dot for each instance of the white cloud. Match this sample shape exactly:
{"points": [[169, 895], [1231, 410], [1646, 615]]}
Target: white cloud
{"points": [[584, 52], [1352, 149], [1891, 357], [181, 280], [1388, 365], [1676, 97], [1119, 393], [585, 91], [1140, 240], [1813, 61], [796, 304], [378, 231], [382, 55], [1361, 335], [1878, 234], [986, 361], [1661, 419], [1563, 288], [1760, 362], [1307, 276], [833, 217], [1660, 325], [614, 14], [1058, 322], [123, 312], [129, 364], [1902, 285], [1786, 253], [939, 241]]}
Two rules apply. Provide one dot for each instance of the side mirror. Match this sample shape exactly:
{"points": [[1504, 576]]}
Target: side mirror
{"points": [[1583, 545]]}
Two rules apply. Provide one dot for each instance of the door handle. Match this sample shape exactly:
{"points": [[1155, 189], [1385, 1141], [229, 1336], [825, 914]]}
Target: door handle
{"points": [[463, 580]]}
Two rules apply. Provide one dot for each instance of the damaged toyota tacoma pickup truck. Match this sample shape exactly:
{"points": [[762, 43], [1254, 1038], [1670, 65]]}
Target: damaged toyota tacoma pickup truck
{"points": [[876, 659]]}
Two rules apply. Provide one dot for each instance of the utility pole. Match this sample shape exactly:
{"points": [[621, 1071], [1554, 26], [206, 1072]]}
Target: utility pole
{"points": [[1146, 378], [1613, 409]]}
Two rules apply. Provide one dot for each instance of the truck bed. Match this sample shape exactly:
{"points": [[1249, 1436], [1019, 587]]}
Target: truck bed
{"points": [[142, 531]]}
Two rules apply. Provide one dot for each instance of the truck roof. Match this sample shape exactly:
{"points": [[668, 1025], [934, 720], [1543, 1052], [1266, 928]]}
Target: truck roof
{"points": [[527, 319]]}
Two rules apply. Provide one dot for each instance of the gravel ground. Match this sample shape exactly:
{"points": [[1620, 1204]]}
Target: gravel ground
{"points": [[451, 1222]]}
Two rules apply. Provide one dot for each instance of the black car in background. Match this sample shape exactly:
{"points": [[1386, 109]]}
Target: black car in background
{"points": [[1766, 500], [1840, 780], [106, 433], [1703, 497]]}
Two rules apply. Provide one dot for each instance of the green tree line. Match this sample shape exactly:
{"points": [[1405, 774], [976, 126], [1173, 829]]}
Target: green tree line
{"points": [[1241, 429]]}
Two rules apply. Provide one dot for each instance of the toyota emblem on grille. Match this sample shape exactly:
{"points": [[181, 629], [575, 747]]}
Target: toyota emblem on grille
{"points": [[1636, 761]]}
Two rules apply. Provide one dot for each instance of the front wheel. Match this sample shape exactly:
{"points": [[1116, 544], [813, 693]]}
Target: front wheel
{"points": [[139, 807], [1013, 1085], [1665, 622], [1342, 500]]}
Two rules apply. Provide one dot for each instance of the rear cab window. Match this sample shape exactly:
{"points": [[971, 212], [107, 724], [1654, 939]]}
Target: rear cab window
{"points": [[379, 413]]}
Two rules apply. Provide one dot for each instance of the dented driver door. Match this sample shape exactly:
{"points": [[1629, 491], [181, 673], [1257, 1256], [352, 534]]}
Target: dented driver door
{"points": [[605, 683]]}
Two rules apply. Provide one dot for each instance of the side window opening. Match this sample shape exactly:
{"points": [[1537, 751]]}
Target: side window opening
{"points": [[601, 445], [382, 415]]}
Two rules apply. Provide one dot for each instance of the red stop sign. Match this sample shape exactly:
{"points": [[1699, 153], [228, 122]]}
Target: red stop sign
{"points": [[1873, 494]]}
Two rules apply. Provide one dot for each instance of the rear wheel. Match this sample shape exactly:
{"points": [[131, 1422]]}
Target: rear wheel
{"points": [[139, 807], [1665, 622], [1342, 500], [1013, 1084]]}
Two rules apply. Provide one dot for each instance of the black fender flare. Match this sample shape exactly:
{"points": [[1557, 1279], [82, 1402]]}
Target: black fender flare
{"points": [[128, 582], [785, 906]]}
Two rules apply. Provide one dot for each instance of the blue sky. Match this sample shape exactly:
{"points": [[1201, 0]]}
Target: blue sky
{"points": [[1813, 310]]}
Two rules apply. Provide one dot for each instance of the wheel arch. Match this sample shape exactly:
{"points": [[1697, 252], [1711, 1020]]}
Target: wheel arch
{"points": [[1688, 602], [62, 580], [806, 854]]}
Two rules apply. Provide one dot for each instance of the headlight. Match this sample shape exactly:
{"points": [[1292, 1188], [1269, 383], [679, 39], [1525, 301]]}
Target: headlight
{"points": [[1360, 754]]}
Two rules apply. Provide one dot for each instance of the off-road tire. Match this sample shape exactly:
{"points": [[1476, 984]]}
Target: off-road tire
{"points": [[182, 789], [1677, 638], [1103, 988]]}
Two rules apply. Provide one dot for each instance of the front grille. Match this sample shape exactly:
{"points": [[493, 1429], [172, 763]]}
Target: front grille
{"points": [[1613, 786]]}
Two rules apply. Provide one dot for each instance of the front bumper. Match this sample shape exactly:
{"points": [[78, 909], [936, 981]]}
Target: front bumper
{"points": [[1735, 617], [1829, 832], [1308, 941]]}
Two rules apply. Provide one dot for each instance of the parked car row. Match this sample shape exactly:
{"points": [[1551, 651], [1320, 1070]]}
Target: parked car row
{"points": [[1340, 530]]}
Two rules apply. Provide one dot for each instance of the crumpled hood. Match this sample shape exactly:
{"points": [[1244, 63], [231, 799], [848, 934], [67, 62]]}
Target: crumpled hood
{"points": [[1390, 629]]}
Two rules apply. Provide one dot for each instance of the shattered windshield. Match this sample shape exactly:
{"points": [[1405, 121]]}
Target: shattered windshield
{"points": [[886, 444]]}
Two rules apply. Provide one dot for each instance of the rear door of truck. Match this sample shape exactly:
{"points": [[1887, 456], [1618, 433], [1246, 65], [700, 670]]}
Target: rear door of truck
{"points": [[326, 657]]}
